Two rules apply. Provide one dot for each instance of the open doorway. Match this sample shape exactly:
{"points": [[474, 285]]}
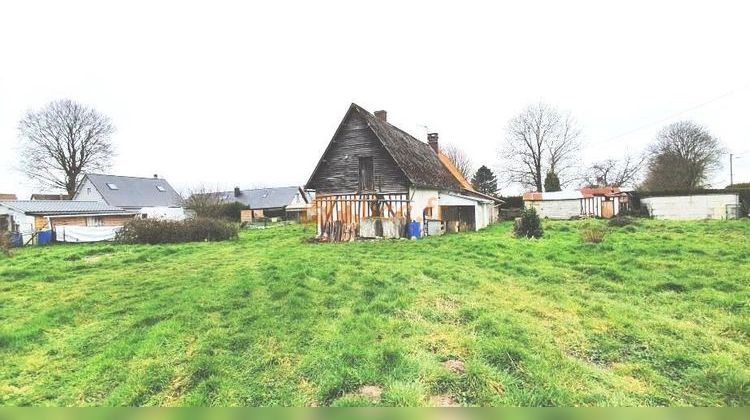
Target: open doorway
{"points": [[458, 218]]}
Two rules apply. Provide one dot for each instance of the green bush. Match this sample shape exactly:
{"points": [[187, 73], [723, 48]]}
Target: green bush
{"points": [[528, 225], [155, 231]]}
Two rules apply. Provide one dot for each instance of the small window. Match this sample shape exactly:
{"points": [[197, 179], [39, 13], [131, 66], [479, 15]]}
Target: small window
{"points": [[160, 188], [366, 178], [112, 186], [88, 190]]}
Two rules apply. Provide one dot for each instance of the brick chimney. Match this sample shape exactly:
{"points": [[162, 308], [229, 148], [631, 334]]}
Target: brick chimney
{"points": [[381, 115], [432, 140], [236, 191]]}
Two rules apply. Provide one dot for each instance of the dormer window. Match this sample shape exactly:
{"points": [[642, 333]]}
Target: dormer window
{"points": [[160, 188], [112, 186]]}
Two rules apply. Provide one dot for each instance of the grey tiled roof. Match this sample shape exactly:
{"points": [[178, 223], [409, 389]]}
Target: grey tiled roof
{"points": [[61, 207], [134, 192], [263, 198]]}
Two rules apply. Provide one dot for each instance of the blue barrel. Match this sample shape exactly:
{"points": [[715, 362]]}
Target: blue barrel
{"points": [[413, 230], [44, 237]]}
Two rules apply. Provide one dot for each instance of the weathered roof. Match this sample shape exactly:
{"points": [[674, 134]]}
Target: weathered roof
{"points": [[135, 192], [265, 198], [8, 197], [557, 195], [50, 197], [417, 159], [586, 192], [49, 207]]}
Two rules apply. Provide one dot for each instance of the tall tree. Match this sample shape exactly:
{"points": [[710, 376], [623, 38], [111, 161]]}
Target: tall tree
{"points": [[551, 182], [683, 156], [538, 139], [459, 159], [615, 172], [62, 141], [484, 181]]}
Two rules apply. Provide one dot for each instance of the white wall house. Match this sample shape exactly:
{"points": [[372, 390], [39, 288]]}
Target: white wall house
{"points": [[151, 197], [693, 207]]}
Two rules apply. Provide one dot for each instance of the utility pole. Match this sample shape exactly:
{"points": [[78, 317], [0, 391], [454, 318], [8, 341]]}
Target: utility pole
{"points": [[731, 172]]}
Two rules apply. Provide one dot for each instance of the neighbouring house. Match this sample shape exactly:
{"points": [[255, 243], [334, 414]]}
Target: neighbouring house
{"points": [[284, 203], [149, 197], [7, 197], [373, 178], [49, 197], [29, 217], [603, 202], [696, 205]]}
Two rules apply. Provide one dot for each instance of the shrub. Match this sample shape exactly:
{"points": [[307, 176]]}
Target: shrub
{"points": [[592, 232], [528, 225], [155, 231], [620, 221]]}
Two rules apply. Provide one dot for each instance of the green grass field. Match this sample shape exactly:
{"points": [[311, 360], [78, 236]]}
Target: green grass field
{"points": [[657, 314]]}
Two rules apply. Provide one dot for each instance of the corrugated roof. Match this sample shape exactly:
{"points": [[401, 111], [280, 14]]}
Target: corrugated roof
{"points": [[135, 192], [557, 195], [264, 198], [61, 207]]}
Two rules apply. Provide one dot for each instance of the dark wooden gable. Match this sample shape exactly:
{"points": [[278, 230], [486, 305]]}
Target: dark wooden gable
{"points": [[338, 171]]}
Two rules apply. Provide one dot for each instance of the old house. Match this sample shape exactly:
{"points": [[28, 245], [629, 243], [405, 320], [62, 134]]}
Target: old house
{"points": [[150, 197], [374, 177], [28, 217]]}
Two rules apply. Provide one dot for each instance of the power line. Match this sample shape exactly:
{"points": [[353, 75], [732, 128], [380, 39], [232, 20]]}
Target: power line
{"points": [[679, 113]]}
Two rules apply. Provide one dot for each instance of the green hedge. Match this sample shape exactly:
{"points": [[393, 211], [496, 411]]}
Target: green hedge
{"points": [[155, 231]]}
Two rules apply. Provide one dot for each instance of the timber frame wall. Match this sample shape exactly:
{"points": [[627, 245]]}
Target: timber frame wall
{"points": [[343, 212]]}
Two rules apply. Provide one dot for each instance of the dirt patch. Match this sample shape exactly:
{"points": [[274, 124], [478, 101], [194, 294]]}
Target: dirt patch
{"points": [[442, 401], [371, 392], [455, 366]]}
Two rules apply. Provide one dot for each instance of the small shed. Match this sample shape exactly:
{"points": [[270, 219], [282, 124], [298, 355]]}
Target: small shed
{"points": [[604, 202], [29, 217]]}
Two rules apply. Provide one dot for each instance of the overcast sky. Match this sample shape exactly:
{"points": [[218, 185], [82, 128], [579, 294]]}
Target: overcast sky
{"points": [[229, 93]]}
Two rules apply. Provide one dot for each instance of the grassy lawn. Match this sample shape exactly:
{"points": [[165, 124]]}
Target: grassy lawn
{"points": [[657, 314]]}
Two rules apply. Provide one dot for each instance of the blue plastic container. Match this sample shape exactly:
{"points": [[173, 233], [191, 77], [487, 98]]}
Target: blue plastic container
{"points": [[413, 230], [44, 237]]}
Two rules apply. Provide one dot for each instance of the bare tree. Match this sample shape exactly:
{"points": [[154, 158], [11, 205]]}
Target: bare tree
{"points": [[541, 140], [615, 173], [459, 159], [62, 141], [204, 201], [683, 156]]}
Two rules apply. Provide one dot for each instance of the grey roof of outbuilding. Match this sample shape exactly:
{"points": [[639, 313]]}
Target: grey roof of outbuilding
{"points": [[134, 192], [49, 207], [264, 198]]}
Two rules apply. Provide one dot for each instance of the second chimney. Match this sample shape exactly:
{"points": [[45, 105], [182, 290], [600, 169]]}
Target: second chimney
{"points": [[432, 140], [236, 191], [381, 115]]}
